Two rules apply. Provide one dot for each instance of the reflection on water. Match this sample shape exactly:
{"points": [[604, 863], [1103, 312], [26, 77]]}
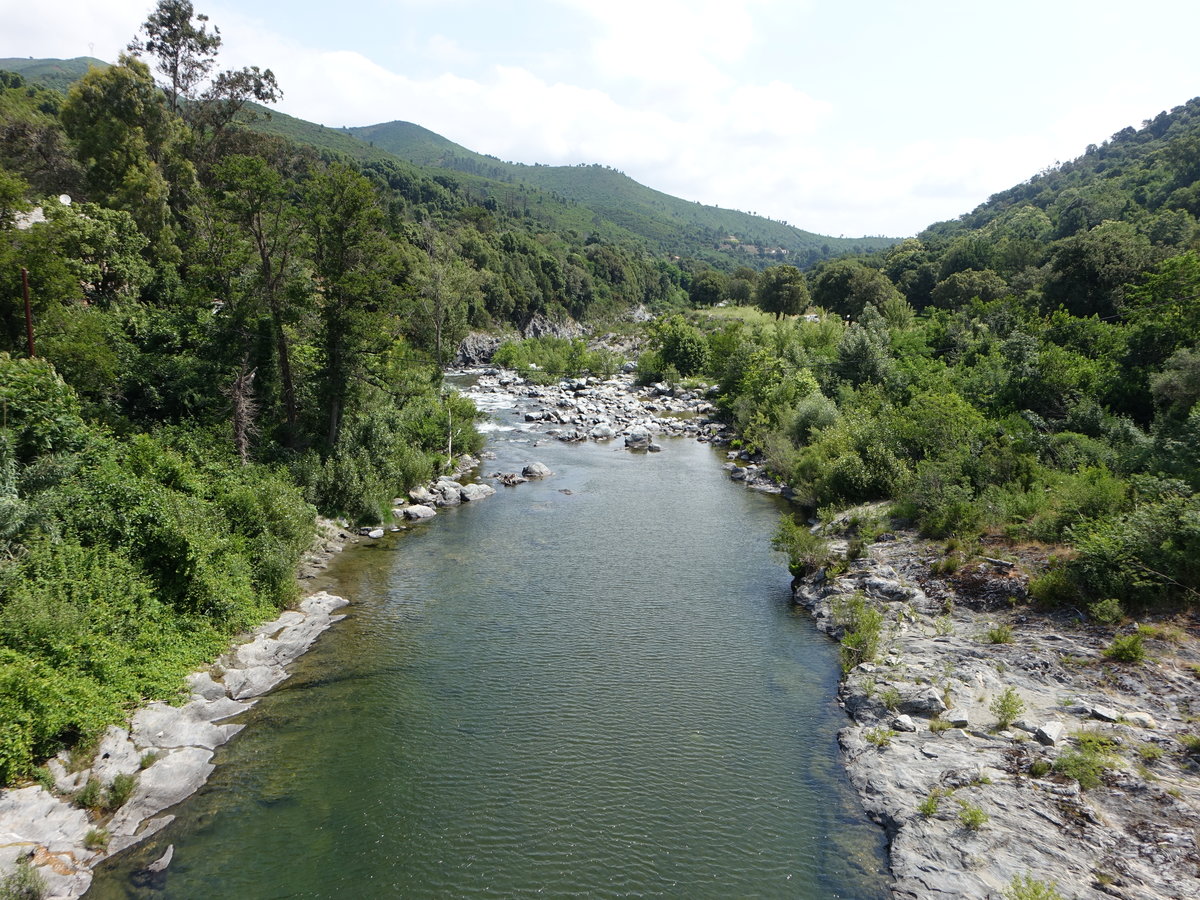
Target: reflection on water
{"points": [[604, 692]]}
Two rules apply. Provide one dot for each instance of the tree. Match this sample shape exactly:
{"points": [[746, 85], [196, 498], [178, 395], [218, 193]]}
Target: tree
{"points": [[444, 289], [259, 200], [782, 290], [122, 133], [846, 286], [707, 288], [1089, 271], [185, 53], [351, 256]]}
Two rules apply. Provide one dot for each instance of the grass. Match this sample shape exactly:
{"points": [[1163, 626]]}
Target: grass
{"points": [[96, 839], [943, 625], [1086, 767], [937, 725]]}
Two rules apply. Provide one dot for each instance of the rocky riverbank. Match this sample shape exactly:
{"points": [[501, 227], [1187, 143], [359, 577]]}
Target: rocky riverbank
{"points": [[60, 830], [1094, 784]]}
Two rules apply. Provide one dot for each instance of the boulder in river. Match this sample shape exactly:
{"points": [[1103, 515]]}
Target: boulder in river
{"points": [[536, 470], [420, 511]]}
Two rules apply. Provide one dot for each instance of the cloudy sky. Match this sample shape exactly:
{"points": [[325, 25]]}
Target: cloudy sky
{"points": [[873, 117]]}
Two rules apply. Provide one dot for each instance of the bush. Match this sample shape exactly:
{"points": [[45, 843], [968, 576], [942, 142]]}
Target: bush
{"points": [[1107, 611], [862, 633], [971, 816], [96, 839], [806, 552], [1006, 707], [999, 634], [929, 806], [1126, 648], [880, 737], [1026, 887], [1085, 766], [23, 883]]}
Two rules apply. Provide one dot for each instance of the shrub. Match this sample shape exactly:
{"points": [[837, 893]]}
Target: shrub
{"points": [[938, 725], [971, 816], [1026, 887], [879, 736], [943, 625], [1039, 768], [1126, 648], [891, 698], [1083, 766], [929, 806], [806, 552], [1006, 707], [999, 634], [120, 790], [1107, 611], [91, 795], [862, 629], [23, 883]]}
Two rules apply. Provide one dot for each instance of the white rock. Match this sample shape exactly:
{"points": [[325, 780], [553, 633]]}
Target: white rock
{"points": [[419, 511]]}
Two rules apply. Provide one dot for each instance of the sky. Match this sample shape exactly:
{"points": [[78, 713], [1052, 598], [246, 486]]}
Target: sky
{"points": [[866, 118]]}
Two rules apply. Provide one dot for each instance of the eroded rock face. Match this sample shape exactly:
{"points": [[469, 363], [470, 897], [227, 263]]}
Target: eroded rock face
{"points": [[1135, 831]]}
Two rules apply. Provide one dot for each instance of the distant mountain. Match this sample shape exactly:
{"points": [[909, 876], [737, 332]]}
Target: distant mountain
{"points": [[616, 196], [59, 74]]}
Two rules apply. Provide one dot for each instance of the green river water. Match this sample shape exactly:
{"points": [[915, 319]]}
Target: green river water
{"points": [[589, 686]]}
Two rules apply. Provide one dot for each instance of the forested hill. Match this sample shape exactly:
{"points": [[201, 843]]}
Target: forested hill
{"points": [[659, 217]]}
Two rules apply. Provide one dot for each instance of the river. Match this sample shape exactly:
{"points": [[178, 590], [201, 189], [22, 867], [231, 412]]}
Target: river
{"points": [[592, 685]]}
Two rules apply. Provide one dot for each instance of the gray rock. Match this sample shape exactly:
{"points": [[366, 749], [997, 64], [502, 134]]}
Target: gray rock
{"points": [[160, 864], [928, 702], [638, 439], [421, 495], [904, 723], [602, 432], [1140, 719], [1049, 733], [374, 533], [473, 492], [202, 685], [1104, 713], [536, 470], [419, 511], [654, 448], [160, 726], [254, 681], [957, 718], [174, 777], [115, 755]]}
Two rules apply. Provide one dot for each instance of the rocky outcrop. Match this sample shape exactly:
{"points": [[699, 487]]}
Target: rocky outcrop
{"points": [[543, 326], [477, 349], [969, 806], [168, 749]]}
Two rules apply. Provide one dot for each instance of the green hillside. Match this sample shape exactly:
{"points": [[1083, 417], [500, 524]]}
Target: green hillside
{"points": [[58, 74], [658, 217]]}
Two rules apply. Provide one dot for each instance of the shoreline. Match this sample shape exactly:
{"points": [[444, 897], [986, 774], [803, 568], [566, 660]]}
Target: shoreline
{"points": [[971, 809], [169, 749]]}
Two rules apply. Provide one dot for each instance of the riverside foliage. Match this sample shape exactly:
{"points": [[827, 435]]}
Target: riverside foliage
{"points": [[1030, 370]]}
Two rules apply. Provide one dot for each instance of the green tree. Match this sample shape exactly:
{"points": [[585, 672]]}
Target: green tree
{"points": [[260, 201], [185, 50], [847, 286], [354, 262], [707, 288], [124, 134], [782, 290]]}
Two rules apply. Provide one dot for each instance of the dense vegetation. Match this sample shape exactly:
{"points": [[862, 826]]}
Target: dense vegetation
{"points": [[1030, 370], [230, 332]]}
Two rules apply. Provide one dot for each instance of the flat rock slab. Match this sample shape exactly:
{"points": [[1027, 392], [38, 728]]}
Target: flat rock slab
{"points": [[169, 780]]}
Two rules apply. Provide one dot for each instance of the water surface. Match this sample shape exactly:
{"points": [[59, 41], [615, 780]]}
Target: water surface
{"points": [[592, 685]]}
